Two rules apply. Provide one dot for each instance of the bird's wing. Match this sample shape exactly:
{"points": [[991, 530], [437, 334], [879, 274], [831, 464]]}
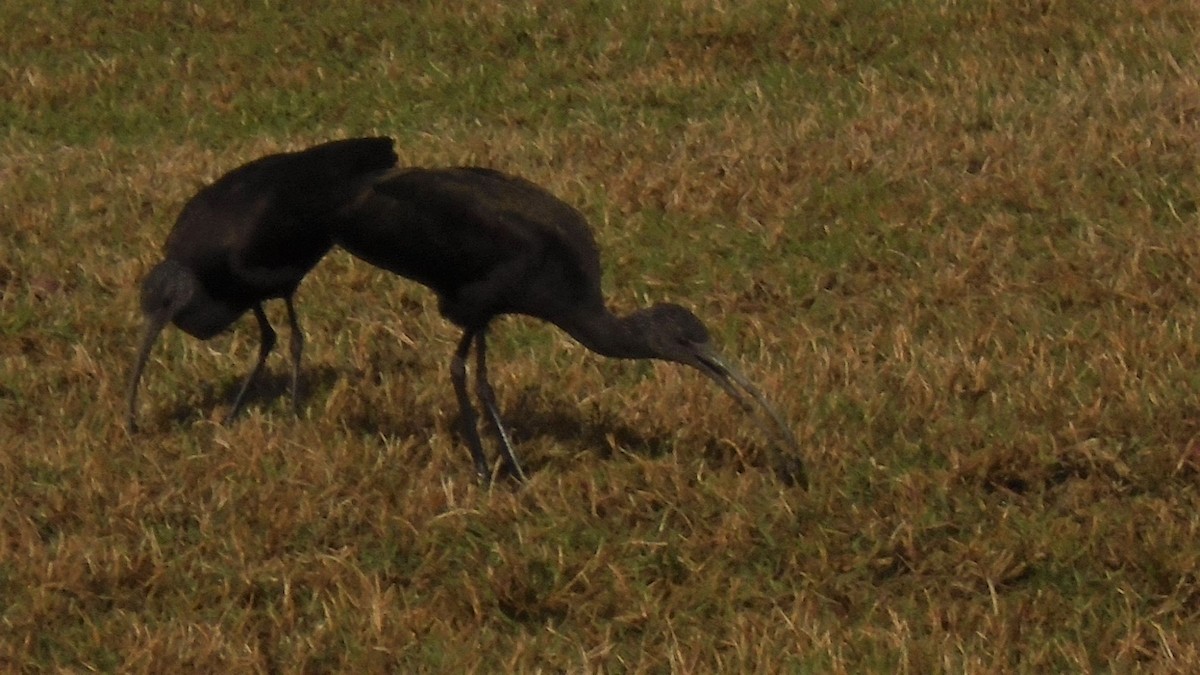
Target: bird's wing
{"points": [[511, 211]]}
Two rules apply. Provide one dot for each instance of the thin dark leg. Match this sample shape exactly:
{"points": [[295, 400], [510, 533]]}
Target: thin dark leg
{"points": [[488, 397], [297, 350], [154, 326], [458, 374], [264, 348]]}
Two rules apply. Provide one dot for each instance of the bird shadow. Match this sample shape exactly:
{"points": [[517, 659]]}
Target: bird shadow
{"points": [[267, 387], [535, 416]]}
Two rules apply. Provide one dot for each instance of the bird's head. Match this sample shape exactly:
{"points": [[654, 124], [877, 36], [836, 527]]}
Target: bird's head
{"points": [[675, 334], [171, 292], [167, 288]]}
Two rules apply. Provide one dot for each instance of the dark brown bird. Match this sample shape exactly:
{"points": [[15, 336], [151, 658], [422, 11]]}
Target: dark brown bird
{"points": [[490, 244], [251, 236]]}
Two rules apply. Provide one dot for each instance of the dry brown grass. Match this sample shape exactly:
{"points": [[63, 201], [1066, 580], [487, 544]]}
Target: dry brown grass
{"points": [[955, 241]]}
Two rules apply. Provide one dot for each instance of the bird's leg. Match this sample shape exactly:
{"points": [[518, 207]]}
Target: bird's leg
{"points": [[458, 374], [297, 349], [264, 348], [488, 397]]}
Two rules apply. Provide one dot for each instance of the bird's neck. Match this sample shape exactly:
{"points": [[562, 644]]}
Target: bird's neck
{"points": [[619, 337]]}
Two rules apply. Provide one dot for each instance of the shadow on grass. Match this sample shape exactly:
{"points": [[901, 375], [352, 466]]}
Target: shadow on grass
{"points": [[268, 386], [531, 418], [604, 433], [535, 415]]}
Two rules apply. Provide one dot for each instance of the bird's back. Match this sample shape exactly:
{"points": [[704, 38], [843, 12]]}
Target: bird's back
{"points": [[487, 242], [258, 229]]}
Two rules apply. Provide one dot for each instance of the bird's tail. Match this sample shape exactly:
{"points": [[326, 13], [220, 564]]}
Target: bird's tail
{"points": [[355, 156], [338, 171]]}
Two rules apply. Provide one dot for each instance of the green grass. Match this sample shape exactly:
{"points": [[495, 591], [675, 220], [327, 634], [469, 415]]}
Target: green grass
{"points": [[955, 242]]}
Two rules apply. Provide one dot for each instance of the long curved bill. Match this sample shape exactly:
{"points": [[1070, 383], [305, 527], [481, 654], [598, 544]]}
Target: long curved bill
{"points": [[790, 467], [154, 326]]}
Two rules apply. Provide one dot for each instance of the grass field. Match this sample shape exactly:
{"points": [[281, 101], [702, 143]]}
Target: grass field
{"points": [[954, 241]]}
